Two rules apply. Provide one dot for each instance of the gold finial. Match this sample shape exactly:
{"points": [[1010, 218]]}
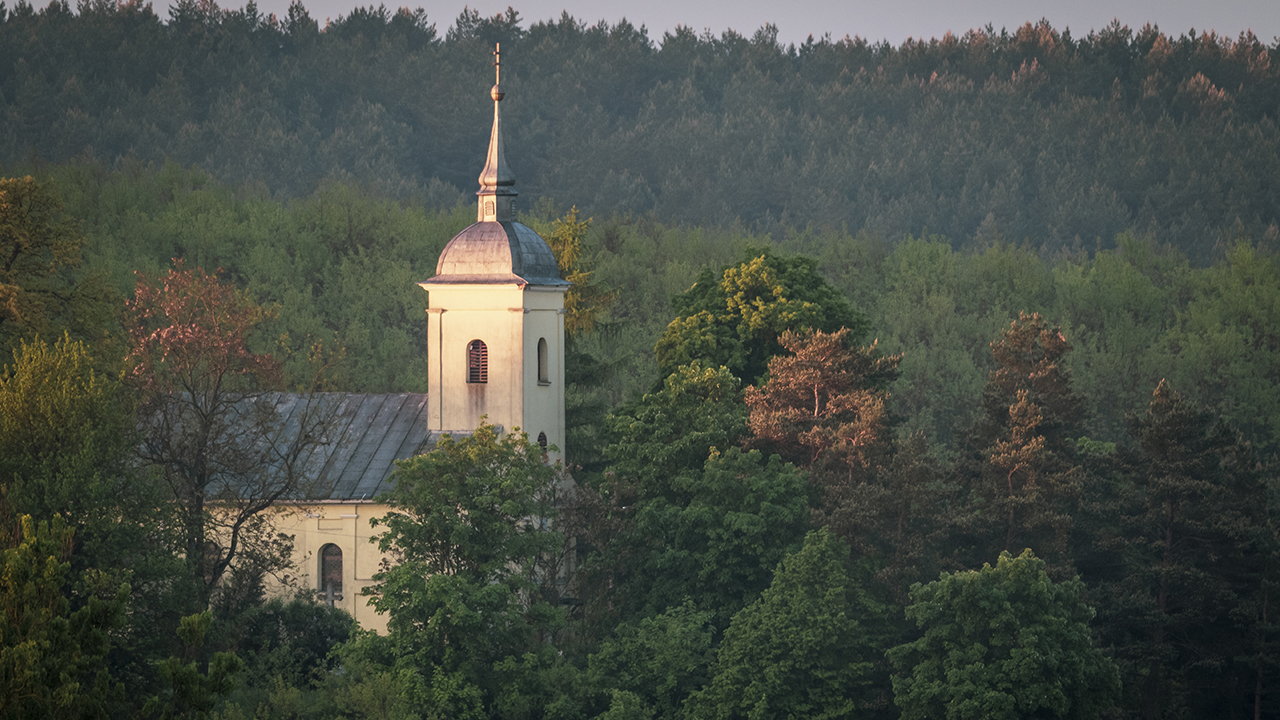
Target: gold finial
{"points": [[496, 93]]}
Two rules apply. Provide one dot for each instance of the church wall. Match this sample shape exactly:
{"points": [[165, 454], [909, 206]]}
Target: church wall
{"points": [[346, 525]]}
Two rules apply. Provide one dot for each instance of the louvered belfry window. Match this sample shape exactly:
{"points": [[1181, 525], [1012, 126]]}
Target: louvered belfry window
{"points": [[477, 362]]}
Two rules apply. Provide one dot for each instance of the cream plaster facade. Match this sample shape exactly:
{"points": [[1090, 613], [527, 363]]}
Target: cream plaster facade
{"points": [[345, 525], [510, 320]]}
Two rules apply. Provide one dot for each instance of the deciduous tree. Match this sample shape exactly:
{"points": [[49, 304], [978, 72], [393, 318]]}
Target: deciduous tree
{"points": [[655, 664], [39, 252], [805, 648], [674, 428], [735, 319], [66, 450], [209, 424], [52, 657], [470, 526], [717, 537], [1002, 643]]}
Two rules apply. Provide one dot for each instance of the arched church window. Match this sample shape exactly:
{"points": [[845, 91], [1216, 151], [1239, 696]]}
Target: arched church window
{"points": [[331, 573], [544, 375], [477, 362]]}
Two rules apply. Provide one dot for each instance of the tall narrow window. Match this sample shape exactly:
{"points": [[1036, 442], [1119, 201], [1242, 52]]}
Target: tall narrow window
{"points": [[544, 375], [331, 573], [542, 440], [477, 362]]}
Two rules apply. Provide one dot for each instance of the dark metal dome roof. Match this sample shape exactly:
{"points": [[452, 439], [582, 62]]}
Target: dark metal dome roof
{"points": [[497, 253]]}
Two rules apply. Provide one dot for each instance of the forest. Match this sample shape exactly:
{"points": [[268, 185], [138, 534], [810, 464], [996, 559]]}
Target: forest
{"points": [[939, 379]]}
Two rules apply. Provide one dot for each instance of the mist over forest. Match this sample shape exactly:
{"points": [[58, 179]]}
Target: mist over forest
{"points": [[853, 325]]}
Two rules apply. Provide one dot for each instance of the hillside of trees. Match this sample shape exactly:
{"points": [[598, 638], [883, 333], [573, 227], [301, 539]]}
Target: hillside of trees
{"points": [[974, 411], [1115, 415], [1031, 134]]}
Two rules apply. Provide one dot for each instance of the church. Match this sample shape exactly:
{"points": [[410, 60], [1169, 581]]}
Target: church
{"points": [[495, 323]]}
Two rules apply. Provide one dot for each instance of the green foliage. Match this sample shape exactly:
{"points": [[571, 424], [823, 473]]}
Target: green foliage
{"points": [[735, 320], [805, 648], [586, 304], [1002, 642], [51, 655], [39, 288], [334, 205], [64, 434], [1190, 529], [924, 308], [1226, 339], [380, 695], [1115, 310], [290, 641], [470, 524], [647, 669], [719, 534], [188, 691], [65, 450], [1028, 132], [586, 299], [539, 684], [697, 410]]}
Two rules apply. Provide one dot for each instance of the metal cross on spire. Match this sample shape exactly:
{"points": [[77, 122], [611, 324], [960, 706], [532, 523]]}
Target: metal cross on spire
{"points": [[497, 196]]}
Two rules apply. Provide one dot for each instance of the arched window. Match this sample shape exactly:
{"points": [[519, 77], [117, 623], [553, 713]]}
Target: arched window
{"points": [[477, 362], [542, 440], [544, 375], [331, 573]]}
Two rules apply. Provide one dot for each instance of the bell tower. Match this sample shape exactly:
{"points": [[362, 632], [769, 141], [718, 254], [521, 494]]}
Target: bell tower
{"points": [[495, 315]]}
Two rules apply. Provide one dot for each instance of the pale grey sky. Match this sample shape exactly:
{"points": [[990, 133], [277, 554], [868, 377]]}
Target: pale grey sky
{"points": [[892, 20]]}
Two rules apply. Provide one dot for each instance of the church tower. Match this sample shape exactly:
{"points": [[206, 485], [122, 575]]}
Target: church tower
{"points": [[496, 315]]}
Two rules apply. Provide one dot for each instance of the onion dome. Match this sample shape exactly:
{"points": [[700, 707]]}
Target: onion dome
{"points": [[497, 249]]}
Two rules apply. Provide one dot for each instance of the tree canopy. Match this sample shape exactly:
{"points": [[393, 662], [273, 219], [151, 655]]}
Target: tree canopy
{"points": [[1003, 642]]}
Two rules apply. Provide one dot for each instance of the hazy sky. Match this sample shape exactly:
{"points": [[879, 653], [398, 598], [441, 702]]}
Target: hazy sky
{"points": [[875, 20]]}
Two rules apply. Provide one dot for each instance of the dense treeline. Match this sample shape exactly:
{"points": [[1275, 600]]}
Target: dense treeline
{"points": [[1034, 135], [757, 521], [340, 266], [974, 414], [751, 522]]}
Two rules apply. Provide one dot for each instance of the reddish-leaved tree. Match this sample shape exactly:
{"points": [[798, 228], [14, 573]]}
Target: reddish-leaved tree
{"points": [[211, 422], [824, 408], [824, 404]]}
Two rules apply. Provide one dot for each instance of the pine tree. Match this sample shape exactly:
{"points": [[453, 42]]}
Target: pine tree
{"points": [[1022, 471], [1185, 614]]}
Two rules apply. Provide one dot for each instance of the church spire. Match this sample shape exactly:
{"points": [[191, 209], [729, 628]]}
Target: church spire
{"points": [[497, 182]]}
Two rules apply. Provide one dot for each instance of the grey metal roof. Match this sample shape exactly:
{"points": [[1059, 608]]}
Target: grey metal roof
{"points": [[364, 434], [497, 253]]}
